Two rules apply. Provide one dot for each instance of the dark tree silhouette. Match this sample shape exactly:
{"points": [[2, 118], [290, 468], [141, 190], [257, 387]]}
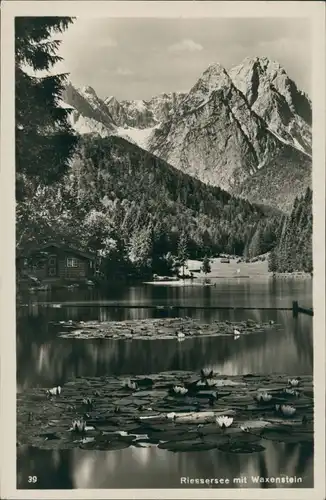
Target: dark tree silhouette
{"points": [[44, 137]]}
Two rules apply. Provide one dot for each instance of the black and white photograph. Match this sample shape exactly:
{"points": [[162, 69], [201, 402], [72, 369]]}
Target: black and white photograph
{"points": [[164, 255]]}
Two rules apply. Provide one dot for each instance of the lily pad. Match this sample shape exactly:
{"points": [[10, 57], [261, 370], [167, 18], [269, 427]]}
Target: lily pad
{"points": [[146, 443], [244, 437], [237, 399], [228, 382], [105, 445], [49, 435], [152, 394], [284, 436], [106, 428], [168, 436], [234, 447], [260, 407], [211, 428], [195, 417], [216, 439], [196, 445]]}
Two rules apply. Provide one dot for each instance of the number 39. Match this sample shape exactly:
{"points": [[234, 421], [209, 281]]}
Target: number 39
{"points": [[32, 479]]}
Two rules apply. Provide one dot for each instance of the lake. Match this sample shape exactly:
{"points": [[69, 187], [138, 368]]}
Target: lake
{"points": [[45, 360]]}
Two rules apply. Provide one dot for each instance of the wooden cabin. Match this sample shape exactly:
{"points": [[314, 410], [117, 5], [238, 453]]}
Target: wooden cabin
{"points": [[55, 262]]}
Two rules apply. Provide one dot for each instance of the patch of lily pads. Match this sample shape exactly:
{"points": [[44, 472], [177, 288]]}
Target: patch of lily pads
{"points": [[176, 411], [160, 328]]}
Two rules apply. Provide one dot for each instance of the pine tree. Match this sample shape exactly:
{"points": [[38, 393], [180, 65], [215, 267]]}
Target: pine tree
{"points": [[272, 262], [256, 243], [44, 138], [206, 266], [141, 248], [183, 250]]}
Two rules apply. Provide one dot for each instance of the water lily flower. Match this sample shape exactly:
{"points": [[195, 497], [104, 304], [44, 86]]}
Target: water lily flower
{"points": [[286, 410], [236, 332], [88, 402], [180, 390], [181, 335], [79, 425], [55, 391], [263, 396], [201, 383], [211, 382], [224, 421], [131, 385], [294, 382], [206, 373]]}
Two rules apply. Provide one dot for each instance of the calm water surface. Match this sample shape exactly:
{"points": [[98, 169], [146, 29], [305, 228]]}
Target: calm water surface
{"points": [[44, 360]]}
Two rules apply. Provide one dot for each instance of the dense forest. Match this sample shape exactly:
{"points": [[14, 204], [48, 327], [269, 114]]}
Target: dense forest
{"points": [[293, 251], [137, 211]]}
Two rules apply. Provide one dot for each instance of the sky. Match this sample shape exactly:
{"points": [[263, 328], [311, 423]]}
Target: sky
{"points": [[137, 58]]}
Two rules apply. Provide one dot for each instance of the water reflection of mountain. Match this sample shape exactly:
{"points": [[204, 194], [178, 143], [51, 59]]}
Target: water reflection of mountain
{"points": [[44, 359], [53, 468], [155, 468], [263, 292]]}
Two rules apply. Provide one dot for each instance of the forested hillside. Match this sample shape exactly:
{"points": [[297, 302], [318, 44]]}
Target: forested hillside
{"points": [[133, 208], [294, 250]]}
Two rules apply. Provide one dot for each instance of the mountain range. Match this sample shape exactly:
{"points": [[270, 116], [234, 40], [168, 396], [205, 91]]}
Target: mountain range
{"points": [[246, 130]]}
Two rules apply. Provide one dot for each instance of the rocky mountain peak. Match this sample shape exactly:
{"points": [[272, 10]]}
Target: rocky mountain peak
{"points": [[274, 96], [88, 90], [91, 114], [111, 99], [254, 72], [213, 78], [233, 125]]}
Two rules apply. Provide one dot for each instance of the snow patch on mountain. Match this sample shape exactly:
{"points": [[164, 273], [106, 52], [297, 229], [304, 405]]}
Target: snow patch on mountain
{"points": [[136, 135]]}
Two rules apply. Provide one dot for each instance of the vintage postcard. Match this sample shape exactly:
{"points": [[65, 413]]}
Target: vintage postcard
{"points": [[163, 250]]}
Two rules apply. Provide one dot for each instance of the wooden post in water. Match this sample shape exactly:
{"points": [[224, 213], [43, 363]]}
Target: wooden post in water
{"points": [[295, 308]]}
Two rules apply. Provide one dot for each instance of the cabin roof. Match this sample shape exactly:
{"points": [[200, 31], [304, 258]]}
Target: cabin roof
{"points": [[26, 252]]}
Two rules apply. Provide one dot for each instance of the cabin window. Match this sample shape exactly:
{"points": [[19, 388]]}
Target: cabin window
{"points": [[72, 262]]}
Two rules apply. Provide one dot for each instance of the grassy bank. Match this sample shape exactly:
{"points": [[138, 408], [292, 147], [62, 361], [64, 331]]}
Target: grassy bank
{"points": [[238, 268]]}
